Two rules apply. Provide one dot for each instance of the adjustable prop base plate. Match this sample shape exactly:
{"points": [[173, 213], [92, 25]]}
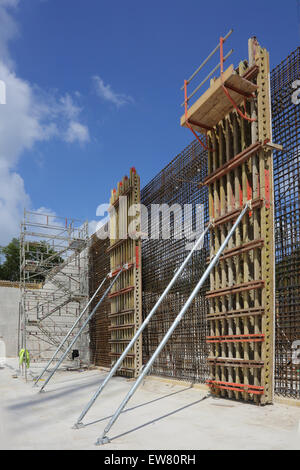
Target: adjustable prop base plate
{"points": [[103, 440], [78, 425]]}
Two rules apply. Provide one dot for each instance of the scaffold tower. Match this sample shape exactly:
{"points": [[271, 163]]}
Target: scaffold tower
{"points": [[54, 260]]}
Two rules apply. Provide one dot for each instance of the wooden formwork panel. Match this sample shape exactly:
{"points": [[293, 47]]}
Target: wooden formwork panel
{"points": [[241, 296], [214, 104], [125, 297]]}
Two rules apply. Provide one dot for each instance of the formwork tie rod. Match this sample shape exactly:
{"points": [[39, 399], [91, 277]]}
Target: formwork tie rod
{"points": [[71, 330], [83, 327], [119, 362], [105, 439]]}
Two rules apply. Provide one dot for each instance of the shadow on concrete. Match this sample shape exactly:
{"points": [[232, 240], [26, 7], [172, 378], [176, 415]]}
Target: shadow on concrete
{"points": [[32, 376], [52, 395], [138, 406], [65, 380], [158, 419]]}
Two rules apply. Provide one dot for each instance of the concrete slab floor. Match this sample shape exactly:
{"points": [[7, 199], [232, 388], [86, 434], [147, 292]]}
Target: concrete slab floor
{"points": [[159, 416]]}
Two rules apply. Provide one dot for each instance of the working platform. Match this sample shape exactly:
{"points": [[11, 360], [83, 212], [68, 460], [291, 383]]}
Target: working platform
{"points": [[214, 105]]}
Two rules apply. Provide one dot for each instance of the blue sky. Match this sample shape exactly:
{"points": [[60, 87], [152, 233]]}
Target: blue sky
{"points": [[93, 88]]}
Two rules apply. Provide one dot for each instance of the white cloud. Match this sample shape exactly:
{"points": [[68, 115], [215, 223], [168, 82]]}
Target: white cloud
{"points": [[105, 92], [77, 132], [13, 199], [9, 3], [20, 119], [30, 115], [9, 29]]}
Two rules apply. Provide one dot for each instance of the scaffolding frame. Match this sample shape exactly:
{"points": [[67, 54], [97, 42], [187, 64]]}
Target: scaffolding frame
{"points": [[54, 257]]}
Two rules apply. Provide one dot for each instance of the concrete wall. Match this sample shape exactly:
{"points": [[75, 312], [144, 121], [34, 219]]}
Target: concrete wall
{"points": [[9, 313]]}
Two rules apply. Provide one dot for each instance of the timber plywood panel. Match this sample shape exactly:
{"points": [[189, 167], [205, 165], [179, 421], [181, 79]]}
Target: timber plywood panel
{"points": [[214, 104]]}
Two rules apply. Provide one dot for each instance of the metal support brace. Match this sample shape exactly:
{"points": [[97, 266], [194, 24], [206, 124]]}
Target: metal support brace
{"points": [[81, 329], [118, 363], [71, 330], [105, 439]]}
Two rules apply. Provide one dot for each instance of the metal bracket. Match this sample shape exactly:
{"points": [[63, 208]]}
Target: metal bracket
{"points": [[273, 146], [78, 425], [103, 440]]}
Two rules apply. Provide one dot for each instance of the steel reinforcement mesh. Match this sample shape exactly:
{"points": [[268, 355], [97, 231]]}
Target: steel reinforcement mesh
{"points": [[286, 121], [185, 355], [100, 323]]}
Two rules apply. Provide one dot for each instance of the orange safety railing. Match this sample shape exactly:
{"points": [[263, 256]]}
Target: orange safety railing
{"points": [[225, 87], [244, 116], [188, 98]]}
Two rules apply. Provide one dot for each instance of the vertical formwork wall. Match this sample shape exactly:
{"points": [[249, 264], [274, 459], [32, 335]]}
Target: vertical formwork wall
{"points": [[126, 294], [241, 314], [285, 89]]}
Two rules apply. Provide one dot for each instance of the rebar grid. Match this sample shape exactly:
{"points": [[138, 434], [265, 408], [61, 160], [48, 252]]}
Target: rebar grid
{"points": [[100, 323], [286, 120], [184, 356]]}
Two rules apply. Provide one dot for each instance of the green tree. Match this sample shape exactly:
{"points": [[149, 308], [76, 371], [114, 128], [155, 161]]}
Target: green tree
{"points": [[36, 251], [10, 267]]}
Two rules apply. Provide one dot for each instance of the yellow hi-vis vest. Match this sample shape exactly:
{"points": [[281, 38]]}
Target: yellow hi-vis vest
{"points": [[24, 356]]}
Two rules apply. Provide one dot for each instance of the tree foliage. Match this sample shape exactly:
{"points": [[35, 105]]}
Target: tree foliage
{"points": [[10, 266], [10, 259]]}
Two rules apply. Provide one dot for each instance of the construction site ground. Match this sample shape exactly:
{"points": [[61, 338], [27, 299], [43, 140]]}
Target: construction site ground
{"points": [[161, 415]]}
